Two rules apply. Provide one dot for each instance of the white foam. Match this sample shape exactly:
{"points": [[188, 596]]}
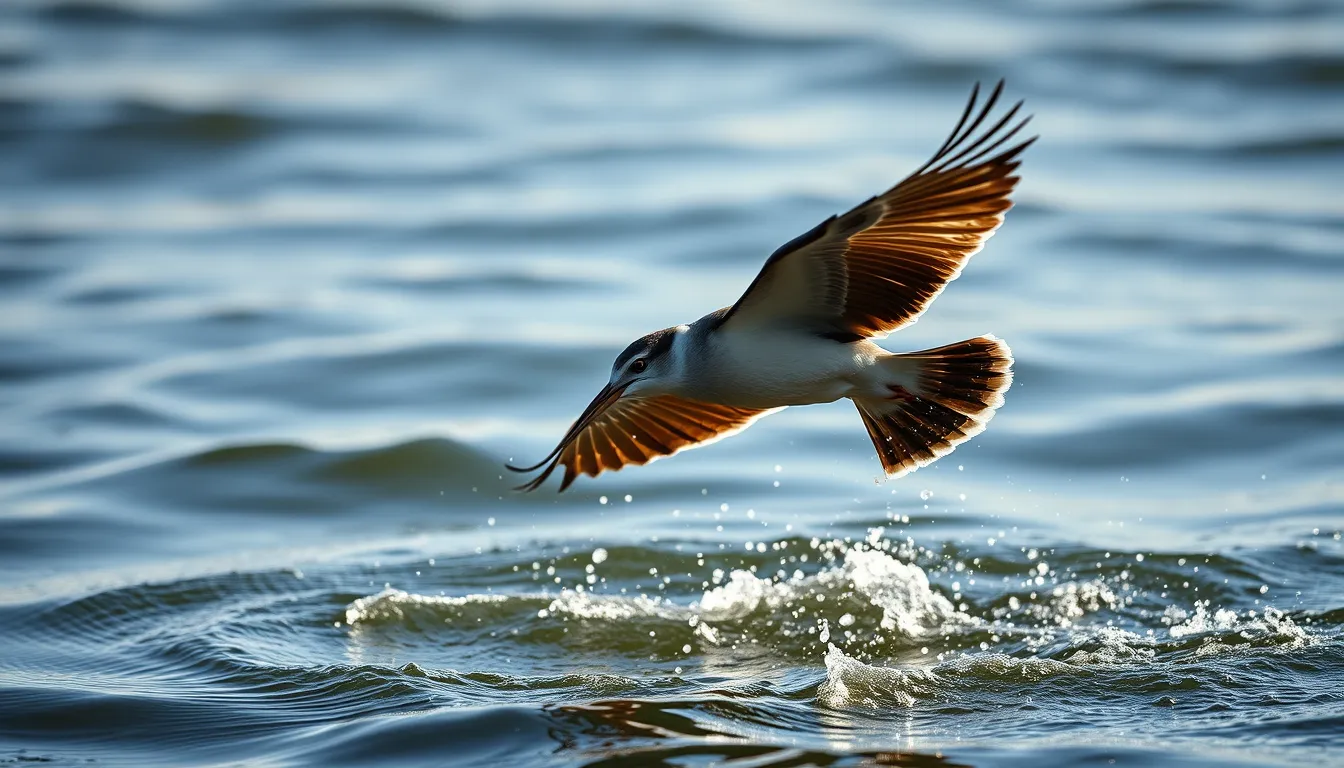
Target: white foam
{"points": [[1113, 646], [909, 604], [585, 605], [1066, 603], [849, 682], [1270, 627], [1200, 621], [741, 596], [395, 605], [392, 604]]}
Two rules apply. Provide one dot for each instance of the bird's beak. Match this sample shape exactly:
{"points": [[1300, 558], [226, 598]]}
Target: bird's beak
{"points": [[609, 394]]}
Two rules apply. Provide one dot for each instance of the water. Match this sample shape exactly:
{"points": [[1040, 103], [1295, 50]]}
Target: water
{"points": [[285, 284]]}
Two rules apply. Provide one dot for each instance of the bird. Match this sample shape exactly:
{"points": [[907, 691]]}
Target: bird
{"points": [[804, 331]]}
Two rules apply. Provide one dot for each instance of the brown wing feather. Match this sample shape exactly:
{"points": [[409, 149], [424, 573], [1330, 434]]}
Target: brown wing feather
{"points": [[879, 266], [637, 430]]}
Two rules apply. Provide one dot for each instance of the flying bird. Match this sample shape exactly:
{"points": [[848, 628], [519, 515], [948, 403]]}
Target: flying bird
{"points": [[804, 331]]}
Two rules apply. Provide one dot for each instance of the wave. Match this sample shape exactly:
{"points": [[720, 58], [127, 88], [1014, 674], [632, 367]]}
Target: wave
{"points": [[286, 478], [1096, 657], [881, 629]]}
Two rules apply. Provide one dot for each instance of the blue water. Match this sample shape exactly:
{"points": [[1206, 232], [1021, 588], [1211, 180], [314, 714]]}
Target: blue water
{"points": [[284, 284]]}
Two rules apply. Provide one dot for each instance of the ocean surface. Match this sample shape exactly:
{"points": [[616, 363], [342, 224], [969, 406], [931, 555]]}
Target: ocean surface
{"points": [[284, 284]]}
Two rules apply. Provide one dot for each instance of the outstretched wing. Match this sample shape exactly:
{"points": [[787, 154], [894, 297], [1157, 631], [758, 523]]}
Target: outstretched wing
{"points": [[637, 430], [879, 266]]}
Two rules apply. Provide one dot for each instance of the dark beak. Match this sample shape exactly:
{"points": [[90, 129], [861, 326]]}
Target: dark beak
{"points": [[596, 408]]}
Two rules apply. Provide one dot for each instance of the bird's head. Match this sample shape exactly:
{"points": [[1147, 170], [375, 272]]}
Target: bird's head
{"points": [[647, 365]]}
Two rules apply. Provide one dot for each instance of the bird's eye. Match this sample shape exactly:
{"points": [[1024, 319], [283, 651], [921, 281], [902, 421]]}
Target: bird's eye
{"points": [[638, 366]]}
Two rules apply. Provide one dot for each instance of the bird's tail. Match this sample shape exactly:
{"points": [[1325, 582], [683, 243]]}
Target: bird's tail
{"points": [[935, 399]]}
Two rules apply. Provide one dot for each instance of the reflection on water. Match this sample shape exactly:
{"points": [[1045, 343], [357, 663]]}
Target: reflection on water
{"points": [[285, 284]]}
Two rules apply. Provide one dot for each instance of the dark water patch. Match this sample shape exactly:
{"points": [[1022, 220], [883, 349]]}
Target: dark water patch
{"points": [[143, 121], [877, 71], [1202, 253], [23, 274], [1212, 10], [94, 12], [111, 295], [314, 176], [147, 121], [90, 141], [628, 162], [1306, 71], [510, 282], [1318, 146], [535, 28], [1199, 436], [25, 360], [20, 462], [14, 57], [582, 228], [548, 31], [365, 19]]}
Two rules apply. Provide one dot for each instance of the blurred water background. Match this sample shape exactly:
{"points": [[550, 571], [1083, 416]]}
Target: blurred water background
{"points": [[284, 283]]}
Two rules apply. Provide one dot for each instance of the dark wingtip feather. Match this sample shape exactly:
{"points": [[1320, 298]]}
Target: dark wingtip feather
{"points": [[963, 148], [535, 482]]}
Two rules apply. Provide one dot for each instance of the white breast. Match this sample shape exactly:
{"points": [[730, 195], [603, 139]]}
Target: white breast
{"points": [[765, 368]]}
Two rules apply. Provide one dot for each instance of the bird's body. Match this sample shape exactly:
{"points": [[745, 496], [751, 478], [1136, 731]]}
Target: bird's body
{"points": [[766, 368], [804, 331]]}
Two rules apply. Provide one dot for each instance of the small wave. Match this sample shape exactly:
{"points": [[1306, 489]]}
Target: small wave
{"points": [[287, 478], [862, 588], [871, 579], [850, 682], [1097, 654], [393, 606], [411, 467]]}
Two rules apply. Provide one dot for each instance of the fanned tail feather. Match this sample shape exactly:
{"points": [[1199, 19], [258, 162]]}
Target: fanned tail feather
{"points": [[939, 399]]}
